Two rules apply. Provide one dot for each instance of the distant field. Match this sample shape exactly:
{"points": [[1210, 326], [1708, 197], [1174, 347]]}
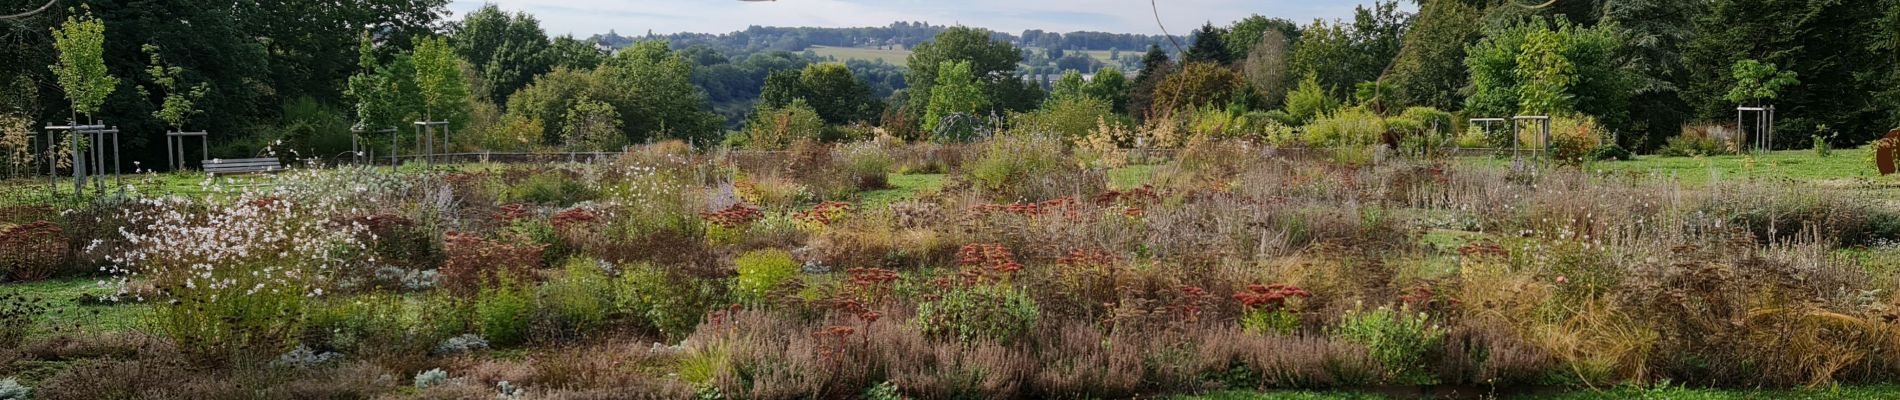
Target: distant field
{"points": [[902, 57], [894, 57]]}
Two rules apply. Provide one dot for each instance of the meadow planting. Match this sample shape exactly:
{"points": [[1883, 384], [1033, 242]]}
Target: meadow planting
{"points": [[1023, 271]]}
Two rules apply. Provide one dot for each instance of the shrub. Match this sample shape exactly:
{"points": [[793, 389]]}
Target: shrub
{"points": [[1823, 145], [553, 189], [34, 251], [1350, 127], [1197, 85], [398, 240], [11, 389], [472, 262], [1267, 309], [776, 128], [666, 301], [1067, 118], [19, 313], [1399, 339], [1684, 146], [431, 378], [1028, 168], [869, 164], [577, 302], [503, 312], [235, 275], [761, 272], [363, 325], [979, 312], [460, 344], [1610, 152], [1572, 139], [1308, 101]]}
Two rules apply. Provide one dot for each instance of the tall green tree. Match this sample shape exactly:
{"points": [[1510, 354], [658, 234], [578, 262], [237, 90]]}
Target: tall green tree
{"points": [[1326, 52], [837, 94], [658, 99], [956, 91], [1658, 30], [1209, 47], [566, 51], [443, 88], [178, 102], [1069, 85], [1537, 66], [82, 67], [992, 65], [829, 89], [1155, 66], [1835, 47], [593, 125], [385, 94], [1756, 81], [1246, 34], [1430, 67], [1111, 85], [1342, 54], [508, 49]]}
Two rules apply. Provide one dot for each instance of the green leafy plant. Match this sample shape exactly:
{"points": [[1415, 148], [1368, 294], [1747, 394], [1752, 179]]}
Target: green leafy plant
{"points": [[761, 272], [577, 302], [503, 312], [979, 312], [666, 301], [1399, 339], [179, 102], [82, 66], [1823, 141], [19, 314]]}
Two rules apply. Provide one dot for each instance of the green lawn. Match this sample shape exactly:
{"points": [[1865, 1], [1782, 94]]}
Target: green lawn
{"points": [[73, 306], [1130, 177], [903, 186], [1842, 168]]}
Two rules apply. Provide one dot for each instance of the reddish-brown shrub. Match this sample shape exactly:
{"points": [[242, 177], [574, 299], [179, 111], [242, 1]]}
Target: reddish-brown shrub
{"points": [[470, 262], [33, 251]]}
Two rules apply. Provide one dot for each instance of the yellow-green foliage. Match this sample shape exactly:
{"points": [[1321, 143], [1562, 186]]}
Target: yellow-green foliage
{"points": [[1345, 128], [503, 313], [761, 272], [1013, 166], [581, 298], [1068, 117]]}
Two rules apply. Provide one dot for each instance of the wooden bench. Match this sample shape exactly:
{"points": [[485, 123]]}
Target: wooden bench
{"points": [[243, 166]]}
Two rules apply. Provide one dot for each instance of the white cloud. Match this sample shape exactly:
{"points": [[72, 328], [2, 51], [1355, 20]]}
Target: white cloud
{"points": [[587, 17]]}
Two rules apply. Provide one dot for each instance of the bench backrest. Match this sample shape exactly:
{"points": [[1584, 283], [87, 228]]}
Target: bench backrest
{"points": [[243, 166]]}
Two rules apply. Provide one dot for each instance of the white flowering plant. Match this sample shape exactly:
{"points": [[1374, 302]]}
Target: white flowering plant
{"points": [[231, 277]]}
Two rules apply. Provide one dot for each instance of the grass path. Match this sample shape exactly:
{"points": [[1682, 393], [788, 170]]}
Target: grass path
{"points": [[1843, 167], [73, 306]]}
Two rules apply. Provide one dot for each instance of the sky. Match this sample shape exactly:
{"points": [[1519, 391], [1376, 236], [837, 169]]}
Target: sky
{"points": [[584, 18]]}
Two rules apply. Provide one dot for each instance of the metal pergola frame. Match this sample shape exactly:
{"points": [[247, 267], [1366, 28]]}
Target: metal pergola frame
{"points": [[175, 148], [1543, 136], [362, 153], [82, 164], [426, 132], [1764, 127]]}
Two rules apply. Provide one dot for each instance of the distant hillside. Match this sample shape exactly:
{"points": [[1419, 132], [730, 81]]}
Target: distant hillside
{"points": [[897, 36]]}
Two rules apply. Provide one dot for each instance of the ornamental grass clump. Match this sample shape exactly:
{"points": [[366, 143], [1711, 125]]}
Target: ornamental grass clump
{"points": [[34, 251]]}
